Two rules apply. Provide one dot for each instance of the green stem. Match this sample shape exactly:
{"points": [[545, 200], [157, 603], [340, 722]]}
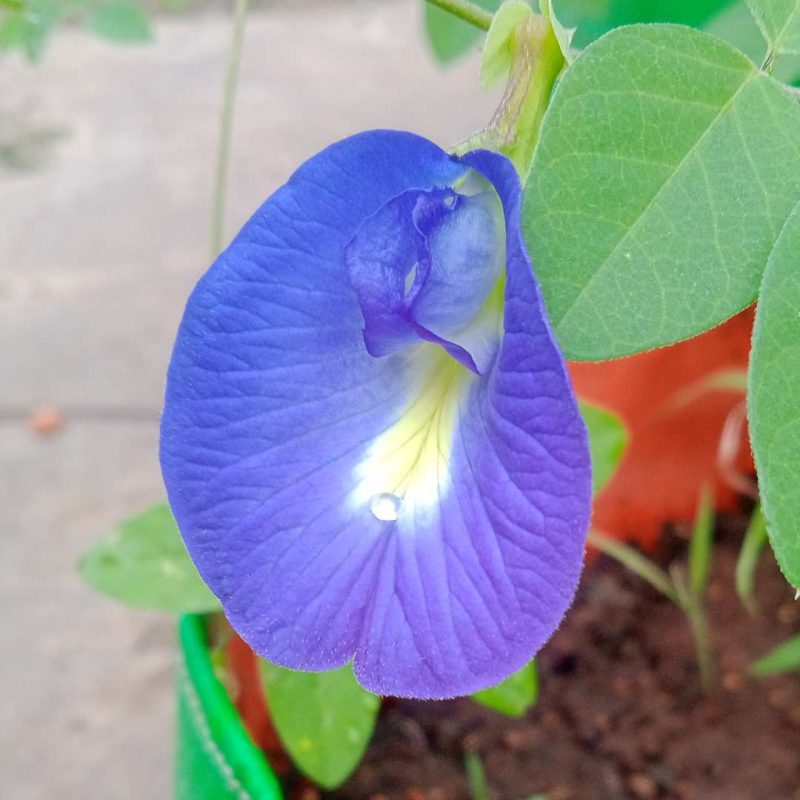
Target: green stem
{"points": [[12, 5], [702, 649], [464, 9], [694, 608], [476, 776], [675, 587], [636, 563], [226, 127]]}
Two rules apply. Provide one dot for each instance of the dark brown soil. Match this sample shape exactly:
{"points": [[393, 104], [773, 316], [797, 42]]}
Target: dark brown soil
{"points": [[620, 715]]}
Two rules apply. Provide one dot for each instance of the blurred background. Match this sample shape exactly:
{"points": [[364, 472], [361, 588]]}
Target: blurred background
{"points": [[106, 177]]}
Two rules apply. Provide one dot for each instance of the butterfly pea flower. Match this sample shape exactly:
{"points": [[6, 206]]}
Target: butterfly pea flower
{"points": [[370, 441]]}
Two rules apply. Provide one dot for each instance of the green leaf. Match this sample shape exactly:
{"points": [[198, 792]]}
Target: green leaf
{"points": [[656, 194], [736, 25], [145, 564], [779, 21], [30, 29], [774, 410], [498, 50], [515, 695], [325, 719], [749, 555], [13, 31], [593, 18], [120, 21], [449, 37], [476, 776], [608, 439], [563, 35], [701, 544], [784, 658]]}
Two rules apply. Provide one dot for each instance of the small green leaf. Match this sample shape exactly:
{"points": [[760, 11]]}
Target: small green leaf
{"points": [[145, 565], [701, 544], [755, 538], [498, 50], [13, 31], [515, 695], [30, 28], [324, 719], [774, 410], [779, 21], [608, 439], [656, 195], [120, 21], [784, 658], [449, 37]]}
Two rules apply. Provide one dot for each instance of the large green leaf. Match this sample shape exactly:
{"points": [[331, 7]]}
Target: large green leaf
{"points": [[325, 719], [515, 695], [145, 564], [666, 167], [593, 18], [608, 439], [779, 21], [774, 398], [736, 25], [450, 37]]}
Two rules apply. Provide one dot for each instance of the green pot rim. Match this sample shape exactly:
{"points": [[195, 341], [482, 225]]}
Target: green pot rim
{"points": [[228, 745]]}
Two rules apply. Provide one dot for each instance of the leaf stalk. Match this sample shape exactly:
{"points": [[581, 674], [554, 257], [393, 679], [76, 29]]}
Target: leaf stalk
{"points": [[226, 126], [467, 11]]}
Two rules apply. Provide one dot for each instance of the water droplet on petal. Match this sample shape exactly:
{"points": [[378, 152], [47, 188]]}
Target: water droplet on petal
{"points": [[385, 506]]}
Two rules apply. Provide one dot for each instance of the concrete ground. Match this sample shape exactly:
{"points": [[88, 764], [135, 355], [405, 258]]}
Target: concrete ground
{"points": [[104, 219]]}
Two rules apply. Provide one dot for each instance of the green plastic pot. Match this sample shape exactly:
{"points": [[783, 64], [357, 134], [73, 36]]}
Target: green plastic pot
{"points": [[215, 757]]}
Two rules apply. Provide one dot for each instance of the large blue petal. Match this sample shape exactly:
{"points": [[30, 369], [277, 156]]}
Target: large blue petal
{"points": [[398, 510]]}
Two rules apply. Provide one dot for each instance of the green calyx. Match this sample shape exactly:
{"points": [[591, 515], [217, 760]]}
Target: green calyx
{"points": [[524, 46]]}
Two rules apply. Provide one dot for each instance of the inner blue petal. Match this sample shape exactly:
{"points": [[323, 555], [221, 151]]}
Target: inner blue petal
{"points": [[423, 267], [466, 253]]}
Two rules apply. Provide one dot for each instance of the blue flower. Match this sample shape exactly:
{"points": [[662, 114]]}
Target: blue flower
{"points": [[370, 441]]}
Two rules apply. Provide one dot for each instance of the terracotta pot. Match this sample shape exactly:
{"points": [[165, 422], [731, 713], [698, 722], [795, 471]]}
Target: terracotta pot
{"points": [[674, 433]]}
